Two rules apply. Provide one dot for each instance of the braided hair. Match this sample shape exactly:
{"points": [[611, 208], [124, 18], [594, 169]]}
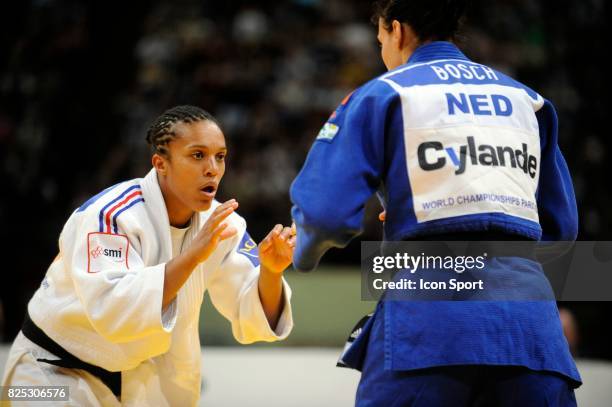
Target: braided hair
{"points": [[162, 132], [436, 20]]}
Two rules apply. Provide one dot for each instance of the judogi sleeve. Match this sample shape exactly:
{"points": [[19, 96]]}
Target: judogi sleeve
{"points": [[234, 292], [342, 170], [121, 297], [555, 196]]}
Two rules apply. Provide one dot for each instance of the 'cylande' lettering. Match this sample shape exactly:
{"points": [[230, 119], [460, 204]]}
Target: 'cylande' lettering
{"points": [[484, 154]]}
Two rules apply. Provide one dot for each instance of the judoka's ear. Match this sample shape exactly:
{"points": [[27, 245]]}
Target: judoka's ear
{"points": [[404, 36], [159, 163], [397, 34]]}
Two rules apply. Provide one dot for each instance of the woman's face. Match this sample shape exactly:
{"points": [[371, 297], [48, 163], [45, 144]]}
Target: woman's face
{"points": [[193, 169]]}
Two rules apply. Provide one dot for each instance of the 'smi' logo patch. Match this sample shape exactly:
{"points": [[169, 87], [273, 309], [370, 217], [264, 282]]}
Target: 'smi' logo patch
{"points": [[106, 251]]}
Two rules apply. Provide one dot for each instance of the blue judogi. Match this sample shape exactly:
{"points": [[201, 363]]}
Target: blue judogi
{"points": [[451, 147]]}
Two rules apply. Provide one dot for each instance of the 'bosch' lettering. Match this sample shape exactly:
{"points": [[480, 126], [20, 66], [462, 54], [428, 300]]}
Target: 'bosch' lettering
{"points": [[459, 71], [432, 156]]}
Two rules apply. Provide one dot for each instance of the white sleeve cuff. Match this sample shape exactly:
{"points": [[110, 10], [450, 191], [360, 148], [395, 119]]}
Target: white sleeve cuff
{"points": [[285, 321], [254, 325], [169, 316]]}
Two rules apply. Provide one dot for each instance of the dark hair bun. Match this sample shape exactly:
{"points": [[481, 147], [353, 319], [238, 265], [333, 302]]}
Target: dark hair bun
{"points": [[429, 19]]}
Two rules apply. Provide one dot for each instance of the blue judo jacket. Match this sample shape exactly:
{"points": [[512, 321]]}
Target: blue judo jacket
{"points": [[449, 146]]}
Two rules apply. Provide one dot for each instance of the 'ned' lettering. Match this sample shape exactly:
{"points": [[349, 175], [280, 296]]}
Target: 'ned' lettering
{"points": [[481, 105]]}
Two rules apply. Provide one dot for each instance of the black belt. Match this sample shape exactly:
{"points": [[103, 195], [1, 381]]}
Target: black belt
{"points": [[111, 379]]}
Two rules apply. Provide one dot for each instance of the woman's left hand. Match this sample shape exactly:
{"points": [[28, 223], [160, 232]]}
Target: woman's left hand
{"points": [[276, 250]]}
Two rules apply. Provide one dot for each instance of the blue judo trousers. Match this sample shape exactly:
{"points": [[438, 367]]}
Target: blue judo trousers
{"points": [[446, 383], [450, 147]]}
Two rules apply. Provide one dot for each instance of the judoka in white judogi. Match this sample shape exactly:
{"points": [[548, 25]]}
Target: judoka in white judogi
{"points": [[101, 301]]}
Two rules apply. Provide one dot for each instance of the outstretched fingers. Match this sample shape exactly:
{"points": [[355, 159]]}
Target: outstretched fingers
{"points": [[269, 239], [221, 213], [285, 241], [224, 231], [286, 233]]}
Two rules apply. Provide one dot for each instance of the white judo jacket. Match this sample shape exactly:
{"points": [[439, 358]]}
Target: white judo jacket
{"points": [[102, 296]]}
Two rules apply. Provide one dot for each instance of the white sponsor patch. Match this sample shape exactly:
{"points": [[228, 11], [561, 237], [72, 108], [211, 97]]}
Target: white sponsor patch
{"points": [[471, 169], [471, 149], [106, 251], [328, 132]]}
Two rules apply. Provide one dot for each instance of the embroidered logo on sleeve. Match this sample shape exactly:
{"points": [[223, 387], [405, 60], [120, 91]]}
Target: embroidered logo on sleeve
{"points": [[328, 132], [248, 248], [106, 251]]}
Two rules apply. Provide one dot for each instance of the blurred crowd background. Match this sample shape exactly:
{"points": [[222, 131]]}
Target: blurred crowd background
{"points": [[80, 82]]}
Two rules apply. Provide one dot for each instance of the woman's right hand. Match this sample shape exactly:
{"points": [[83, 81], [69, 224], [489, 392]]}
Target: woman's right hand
{"points": [[204, 243], [214, 231]]}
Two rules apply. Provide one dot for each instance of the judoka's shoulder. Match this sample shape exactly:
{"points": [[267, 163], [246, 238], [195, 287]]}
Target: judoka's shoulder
{"points": [[361, 102], [104, 210], [374, 88], [114, 194]]}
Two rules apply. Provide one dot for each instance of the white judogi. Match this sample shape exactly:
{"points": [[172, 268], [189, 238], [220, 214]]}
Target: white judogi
{"points": [[101, 298]]}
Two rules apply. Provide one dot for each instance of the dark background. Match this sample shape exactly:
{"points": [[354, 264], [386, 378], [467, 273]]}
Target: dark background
{"points": [[81, 81]]}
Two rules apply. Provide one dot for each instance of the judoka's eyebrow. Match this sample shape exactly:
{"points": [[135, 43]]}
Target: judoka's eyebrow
{"points": [[204, 147]]}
